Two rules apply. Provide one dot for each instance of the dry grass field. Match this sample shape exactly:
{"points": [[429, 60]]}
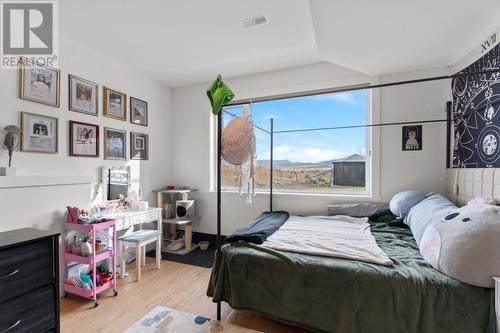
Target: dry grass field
{"points": [[300, 178]]}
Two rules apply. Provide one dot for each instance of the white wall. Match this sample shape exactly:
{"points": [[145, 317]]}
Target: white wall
{"points": [[44, 207], [394, 170], [419, 170]]}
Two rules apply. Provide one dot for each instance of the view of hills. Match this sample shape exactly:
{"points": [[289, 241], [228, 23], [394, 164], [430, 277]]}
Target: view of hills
{"points": [[321, 164], [302, 176], [289, 164]]}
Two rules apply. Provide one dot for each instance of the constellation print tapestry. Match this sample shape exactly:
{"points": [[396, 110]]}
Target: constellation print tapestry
{"points": [[476, 106]]}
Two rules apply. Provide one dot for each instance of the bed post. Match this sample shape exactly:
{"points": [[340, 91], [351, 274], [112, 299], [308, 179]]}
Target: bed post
{"points": [[448, 133], [219, 202], [271, 166]]}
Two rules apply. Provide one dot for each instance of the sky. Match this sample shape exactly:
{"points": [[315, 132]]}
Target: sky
{"points": [[329, 110]]}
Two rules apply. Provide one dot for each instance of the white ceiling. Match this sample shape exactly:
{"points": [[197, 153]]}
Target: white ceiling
{"points": [[387, 36], [189, 41]]}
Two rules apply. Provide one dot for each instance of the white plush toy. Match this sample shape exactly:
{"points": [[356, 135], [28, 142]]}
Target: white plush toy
{"points": [[465, 244]]}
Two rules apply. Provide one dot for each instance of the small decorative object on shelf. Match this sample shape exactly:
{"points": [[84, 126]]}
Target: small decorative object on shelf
{"points": [[123, 202], [75, 215], [84, 276], [143, 205], [133, 201], [11, 142], [86, 247]]}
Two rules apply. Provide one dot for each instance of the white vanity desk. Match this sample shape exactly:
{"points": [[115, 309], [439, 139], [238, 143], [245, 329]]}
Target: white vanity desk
{"points": [[124, 220], [128, 219], [116, 182]]}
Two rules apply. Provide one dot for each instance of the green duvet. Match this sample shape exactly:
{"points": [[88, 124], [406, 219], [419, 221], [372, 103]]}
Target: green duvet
{"points": [[340, 295]]}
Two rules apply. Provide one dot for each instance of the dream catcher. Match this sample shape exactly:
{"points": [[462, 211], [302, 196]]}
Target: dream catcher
{"points": [[238, 149]]}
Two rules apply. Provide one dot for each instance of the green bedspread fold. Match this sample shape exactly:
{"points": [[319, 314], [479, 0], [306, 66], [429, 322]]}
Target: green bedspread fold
{"points": [[339, 295]]}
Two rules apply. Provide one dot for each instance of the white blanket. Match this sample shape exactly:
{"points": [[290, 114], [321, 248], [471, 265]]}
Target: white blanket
{"points": [[332, 236]]}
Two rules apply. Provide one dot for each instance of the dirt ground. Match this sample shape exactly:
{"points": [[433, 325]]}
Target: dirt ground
{"points": [[286, 178]]}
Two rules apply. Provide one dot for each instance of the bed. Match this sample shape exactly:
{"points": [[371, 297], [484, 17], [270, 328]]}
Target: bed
{"points": [[341, 295]]}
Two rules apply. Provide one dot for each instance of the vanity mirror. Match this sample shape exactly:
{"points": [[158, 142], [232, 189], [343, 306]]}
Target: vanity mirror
{"points": [[115, 181]]}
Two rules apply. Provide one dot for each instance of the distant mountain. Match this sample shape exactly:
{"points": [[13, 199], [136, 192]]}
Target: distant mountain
{"points": [[289, 164], [275, 162], [321, 164]]}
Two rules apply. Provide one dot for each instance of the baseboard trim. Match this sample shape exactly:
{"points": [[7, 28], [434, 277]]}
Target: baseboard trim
{"points": [[201, 236]]}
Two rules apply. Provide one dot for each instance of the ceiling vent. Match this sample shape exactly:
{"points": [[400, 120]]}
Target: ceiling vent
{"points": [[253, 21]]}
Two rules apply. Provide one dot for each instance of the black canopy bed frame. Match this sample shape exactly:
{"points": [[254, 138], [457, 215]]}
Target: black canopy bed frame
{"points": [[448, 120]]}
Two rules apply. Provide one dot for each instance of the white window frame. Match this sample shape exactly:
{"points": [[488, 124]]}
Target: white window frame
{"points": [[372, 161]]}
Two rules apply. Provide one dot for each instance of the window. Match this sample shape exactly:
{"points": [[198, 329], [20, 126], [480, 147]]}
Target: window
{"points": [[314, 161]]}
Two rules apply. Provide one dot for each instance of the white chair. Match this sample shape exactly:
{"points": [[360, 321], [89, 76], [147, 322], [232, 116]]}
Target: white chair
{"points": [[139, 240]]}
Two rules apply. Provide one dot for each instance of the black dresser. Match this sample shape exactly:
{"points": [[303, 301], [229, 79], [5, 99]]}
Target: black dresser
{"points": [[29, 281]]}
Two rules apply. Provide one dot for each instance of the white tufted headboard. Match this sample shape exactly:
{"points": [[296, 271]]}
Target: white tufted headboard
{"points": [[463, 185]]}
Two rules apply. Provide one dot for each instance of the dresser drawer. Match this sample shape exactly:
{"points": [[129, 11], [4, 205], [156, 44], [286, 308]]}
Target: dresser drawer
{"points": [[25, 268], [120, 224], [33, 312], [152, 216], [137, 219]]}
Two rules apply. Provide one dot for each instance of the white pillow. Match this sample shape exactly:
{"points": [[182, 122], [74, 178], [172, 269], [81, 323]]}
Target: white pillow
{"points": [[402, 202], [359, 209]]}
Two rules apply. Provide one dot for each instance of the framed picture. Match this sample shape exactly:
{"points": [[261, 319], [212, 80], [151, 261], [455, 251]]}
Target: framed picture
{"points": [[138, 111], [139, 146], [412, 137], [83, 95], [115, 104], [115, 144], [39, 84], [83, 139], [39, 133]]}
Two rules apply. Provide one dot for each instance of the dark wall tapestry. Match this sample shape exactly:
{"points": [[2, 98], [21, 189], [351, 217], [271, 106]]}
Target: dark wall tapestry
{"points": [[476, 106]]}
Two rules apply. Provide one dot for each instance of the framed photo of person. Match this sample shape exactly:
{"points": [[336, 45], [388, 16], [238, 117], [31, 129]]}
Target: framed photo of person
{"points": [[114, 104], [39, 84], [83, 95], [412, 137], [138, 111], [39, 133], [83, 139], [115, 143], [139, 146]]}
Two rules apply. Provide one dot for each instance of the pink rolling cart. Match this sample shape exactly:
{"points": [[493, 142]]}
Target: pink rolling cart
{"points": [[108, 254]]}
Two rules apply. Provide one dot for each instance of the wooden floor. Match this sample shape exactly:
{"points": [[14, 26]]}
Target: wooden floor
{"points": [[177, 286]]}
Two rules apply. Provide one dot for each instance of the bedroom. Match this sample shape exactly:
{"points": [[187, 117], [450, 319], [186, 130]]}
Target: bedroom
{"points": [[348, 103]]}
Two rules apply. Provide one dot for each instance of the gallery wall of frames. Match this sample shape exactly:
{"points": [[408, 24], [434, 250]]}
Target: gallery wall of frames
{"points": [[88, 71], [42, 84]]}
